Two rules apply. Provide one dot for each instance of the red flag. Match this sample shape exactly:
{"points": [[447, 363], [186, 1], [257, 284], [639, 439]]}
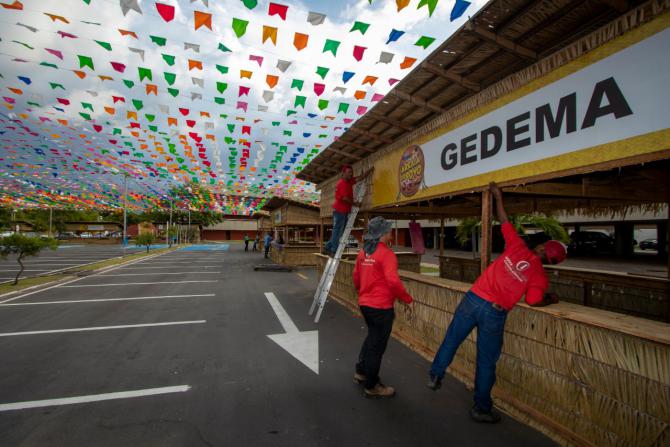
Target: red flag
{"points": [[16, 5], [277, 9], [319, 88], [118, 66], [358, 52], [166, 11]]}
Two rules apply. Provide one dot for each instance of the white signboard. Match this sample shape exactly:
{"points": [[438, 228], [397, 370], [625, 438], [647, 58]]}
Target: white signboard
{"points": [[624, 95]]}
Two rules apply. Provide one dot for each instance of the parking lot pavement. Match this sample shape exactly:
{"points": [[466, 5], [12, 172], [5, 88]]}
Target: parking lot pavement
{"points": [[64, 257], [186, 360]]}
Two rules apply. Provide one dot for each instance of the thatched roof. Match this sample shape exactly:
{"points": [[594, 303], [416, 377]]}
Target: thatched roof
{"points": [[505, 36], [278, 202]]}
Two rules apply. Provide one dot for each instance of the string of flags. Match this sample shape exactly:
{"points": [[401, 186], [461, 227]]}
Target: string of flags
{"points": [[238, 103]]}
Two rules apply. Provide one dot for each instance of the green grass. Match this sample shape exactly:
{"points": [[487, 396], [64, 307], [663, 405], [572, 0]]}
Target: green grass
{"points": [[426, 269], [72, 273]]}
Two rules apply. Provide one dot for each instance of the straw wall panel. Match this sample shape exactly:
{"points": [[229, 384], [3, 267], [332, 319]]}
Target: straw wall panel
{"points": [[583, 384], [297, 215], [294, 255]]}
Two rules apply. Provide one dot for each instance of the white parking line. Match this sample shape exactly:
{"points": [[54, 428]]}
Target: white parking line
{"points": [[167, 266], [162, 273], [100, 328], [99, 300], [93, 398], [139, 283]]}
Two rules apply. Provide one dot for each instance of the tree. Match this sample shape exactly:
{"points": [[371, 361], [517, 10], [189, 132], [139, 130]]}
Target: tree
{"points": [[23, 246], [145, 239], [551, 227]]}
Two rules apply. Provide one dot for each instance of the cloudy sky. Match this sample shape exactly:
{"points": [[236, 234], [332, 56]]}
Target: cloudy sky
{"points": [[243, 128]]}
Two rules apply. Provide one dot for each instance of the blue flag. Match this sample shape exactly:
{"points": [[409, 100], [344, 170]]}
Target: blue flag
{"points": [[459, 8], [395, 35]]}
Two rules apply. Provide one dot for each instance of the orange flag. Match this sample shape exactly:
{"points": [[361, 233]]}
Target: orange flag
{"points": [[110, 110], [105, 78], [80, 74], [194, 64], [16, 5], [18, 91], [370, 80], [300, 41], [202, 19], [54, 17], [402, 4], [152, 88], [408, 62], [246, 74], [270, 33], [272, 80], [360, 94], [128, 33], [131, 114]]}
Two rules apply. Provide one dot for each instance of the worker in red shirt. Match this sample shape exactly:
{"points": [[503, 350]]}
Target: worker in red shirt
{"points": [[517, 272], [376, 279], [344, 200]]}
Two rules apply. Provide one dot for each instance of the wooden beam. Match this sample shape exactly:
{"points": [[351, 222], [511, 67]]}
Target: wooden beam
{"points": [[441, 236], [619, 5], [485, 249], [502, 42], [346, 154], [357, 146], [371, 135], [416, 101], [451, 76], [584, 190], [390, 121]]}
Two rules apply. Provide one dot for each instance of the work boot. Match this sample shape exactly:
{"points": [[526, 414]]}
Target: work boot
{"points": [[492, 417], [380, 391], [359, 378], [434, 383]]}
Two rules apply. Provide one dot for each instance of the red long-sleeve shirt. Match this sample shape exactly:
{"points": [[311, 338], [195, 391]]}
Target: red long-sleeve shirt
{"points": [[376, 279], [516, 272]]}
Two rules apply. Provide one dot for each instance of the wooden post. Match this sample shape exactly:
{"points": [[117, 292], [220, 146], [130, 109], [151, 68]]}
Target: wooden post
{"points": [[485, 249], [442, 236], [321, 237]]}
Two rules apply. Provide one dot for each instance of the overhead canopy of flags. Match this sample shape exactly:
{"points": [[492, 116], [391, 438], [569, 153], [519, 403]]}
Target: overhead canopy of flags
{"points": [[236, 96]]}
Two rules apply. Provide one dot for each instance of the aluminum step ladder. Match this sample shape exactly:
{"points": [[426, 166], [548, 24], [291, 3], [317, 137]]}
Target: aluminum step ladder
{"points": [[326, 281]]}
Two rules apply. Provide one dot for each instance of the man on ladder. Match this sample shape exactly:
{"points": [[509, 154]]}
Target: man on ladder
{"points": [[344, 200]]}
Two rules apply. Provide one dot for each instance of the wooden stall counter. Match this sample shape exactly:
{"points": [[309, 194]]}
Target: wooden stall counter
{"points": [[584, 376]]}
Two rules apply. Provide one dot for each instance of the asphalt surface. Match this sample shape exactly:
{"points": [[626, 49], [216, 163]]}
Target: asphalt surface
{"points": [[65, 256], [231, 384]]}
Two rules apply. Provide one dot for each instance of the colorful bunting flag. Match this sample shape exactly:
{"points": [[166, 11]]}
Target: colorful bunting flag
{"points": [[202, 19], [277, 9], [269, 33], [239, 26]]}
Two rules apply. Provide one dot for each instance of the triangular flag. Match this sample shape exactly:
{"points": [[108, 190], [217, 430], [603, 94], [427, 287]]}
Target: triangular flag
{"points": [[401, 4], [360, 26], [202, 19], [322, 71], [269, 33], [277, 9], [347, 75], [431, 5], [165, 11], [107, 46], [85, 61], [395, 35], [300, 41], [240, 27], [17, 5], [459, 8]]}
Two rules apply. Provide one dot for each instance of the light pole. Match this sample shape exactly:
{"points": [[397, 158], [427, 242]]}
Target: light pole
{"points": [[124, 241], [188, 237], [51, 218]]}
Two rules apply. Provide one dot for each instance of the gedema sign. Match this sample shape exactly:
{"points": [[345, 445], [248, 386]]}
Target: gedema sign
{"points": [[610, 104]]}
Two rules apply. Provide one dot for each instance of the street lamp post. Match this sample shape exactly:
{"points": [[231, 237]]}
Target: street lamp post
{"points": [[124, 240], [51, 218], [188, 237]]}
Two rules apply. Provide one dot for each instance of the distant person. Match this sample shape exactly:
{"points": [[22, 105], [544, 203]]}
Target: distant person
{"points": [[280, 241], [344, 200], [378, 285], [517, 272], [246, 242], [256, 239], [266, 242]]}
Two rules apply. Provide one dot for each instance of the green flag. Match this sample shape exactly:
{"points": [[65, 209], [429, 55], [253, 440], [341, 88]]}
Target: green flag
{"points": [[331, 45], [138, 104], [160, 41], [343, 107], [47, 64], [424, 41], [149, 117], [360, 26], [231, 128], [85, 61], [129, 83], [240, 27], [323, 103], [169, 77], [297, 83], [224, 48], [299, 101], [168, 59], [85, 105], [431, 5], [219, 100], [251, 4], [86, 116], [173, 91], [322, 71], [221, 87], [106, 45], [145, 73]]}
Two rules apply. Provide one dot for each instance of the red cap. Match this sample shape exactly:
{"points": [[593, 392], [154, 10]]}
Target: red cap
{"points": [[555, 251], [345, 167]]}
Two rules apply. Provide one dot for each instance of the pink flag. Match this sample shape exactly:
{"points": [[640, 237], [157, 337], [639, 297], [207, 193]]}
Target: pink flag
{"points": [[258, 59], [118, 66], [358, 52], [361, 110], [242, 105], [319, 88], [243, 91], [377, 97], [56, 53]]}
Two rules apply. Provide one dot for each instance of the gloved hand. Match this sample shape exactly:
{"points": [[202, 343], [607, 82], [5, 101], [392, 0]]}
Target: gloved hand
{"points": [[547, 299]]}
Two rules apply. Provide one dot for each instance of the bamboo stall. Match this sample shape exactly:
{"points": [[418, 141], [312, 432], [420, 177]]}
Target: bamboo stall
{"points": [[295, 228]]}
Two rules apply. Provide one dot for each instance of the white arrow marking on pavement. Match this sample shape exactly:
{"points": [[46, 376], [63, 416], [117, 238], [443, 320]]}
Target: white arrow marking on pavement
{"points": [[304, 346]]}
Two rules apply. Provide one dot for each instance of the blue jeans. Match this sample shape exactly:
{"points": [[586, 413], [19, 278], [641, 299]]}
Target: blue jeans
{"points": [[339, 222], [490, 322]]}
